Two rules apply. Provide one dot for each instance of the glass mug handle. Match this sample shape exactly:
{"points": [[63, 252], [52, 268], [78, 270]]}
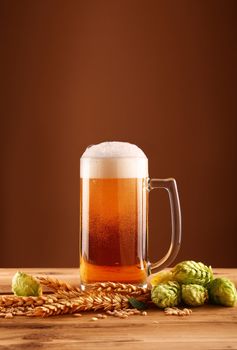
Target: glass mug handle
{"points": [[171, 187]]}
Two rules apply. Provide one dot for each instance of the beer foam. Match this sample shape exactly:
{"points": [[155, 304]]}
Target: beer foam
{"points": [[113, 149], [113, 160]]}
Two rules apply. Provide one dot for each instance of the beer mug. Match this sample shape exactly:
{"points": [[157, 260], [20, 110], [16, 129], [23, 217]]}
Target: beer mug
{"points": [[114, 191]]}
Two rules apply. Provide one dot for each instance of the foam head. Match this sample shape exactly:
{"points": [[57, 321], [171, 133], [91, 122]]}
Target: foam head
{"points": [[114, 160]]}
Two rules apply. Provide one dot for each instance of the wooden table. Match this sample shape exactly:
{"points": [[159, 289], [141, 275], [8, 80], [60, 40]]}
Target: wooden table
{"points": [[209, 327]]}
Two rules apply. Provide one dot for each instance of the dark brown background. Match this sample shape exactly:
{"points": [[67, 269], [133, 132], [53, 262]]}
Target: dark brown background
{"points": [[161, 74]]}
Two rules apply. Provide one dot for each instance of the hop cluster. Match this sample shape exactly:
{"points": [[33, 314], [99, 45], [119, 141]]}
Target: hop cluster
{"points": [[166, 294], [222, 291], [25, 285], [191, 272], [192, 283], [194, 294]]}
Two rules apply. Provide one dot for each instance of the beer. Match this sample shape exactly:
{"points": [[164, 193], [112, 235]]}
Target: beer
{"points": [[113, 217]]}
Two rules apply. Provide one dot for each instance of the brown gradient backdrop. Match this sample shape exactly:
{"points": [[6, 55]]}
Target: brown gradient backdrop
{"points": [[161, 74]]}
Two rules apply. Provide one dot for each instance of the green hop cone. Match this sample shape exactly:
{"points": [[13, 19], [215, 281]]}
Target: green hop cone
{"points": [[194, 294], [222, 291], [191, 272], [166, 294], [25, 285]]}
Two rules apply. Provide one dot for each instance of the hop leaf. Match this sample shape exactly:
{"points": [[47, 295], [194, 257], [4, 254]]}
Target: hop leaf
{"points": [[222, 291], [137, 304], [194, 294], [161, 277], [166, 294], [191, 272], [25, 285]]}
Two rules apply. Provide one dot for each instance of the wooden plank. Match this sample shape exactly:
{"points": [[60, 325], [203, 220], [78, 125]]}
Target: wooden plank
{"points": [[71, 275], [209, 327]]}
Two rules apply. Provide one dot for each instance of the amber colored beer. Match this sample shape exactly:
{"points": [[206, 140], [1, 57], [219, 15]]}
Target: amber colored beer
{"points": [[113, 227]]}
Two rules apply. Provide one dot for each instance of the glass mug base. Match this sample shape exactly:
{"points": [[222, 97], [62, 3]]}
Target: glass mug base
{"points": [[92, 274]]}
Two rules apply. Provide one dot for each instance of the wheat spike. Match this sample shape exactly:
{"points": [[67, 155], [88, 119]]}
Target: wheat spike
{"points": [[57, 285], [68, 294], [70, 299], [71, 291], [117, 287], [86, 302], [13, 300], [105, 287]]}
